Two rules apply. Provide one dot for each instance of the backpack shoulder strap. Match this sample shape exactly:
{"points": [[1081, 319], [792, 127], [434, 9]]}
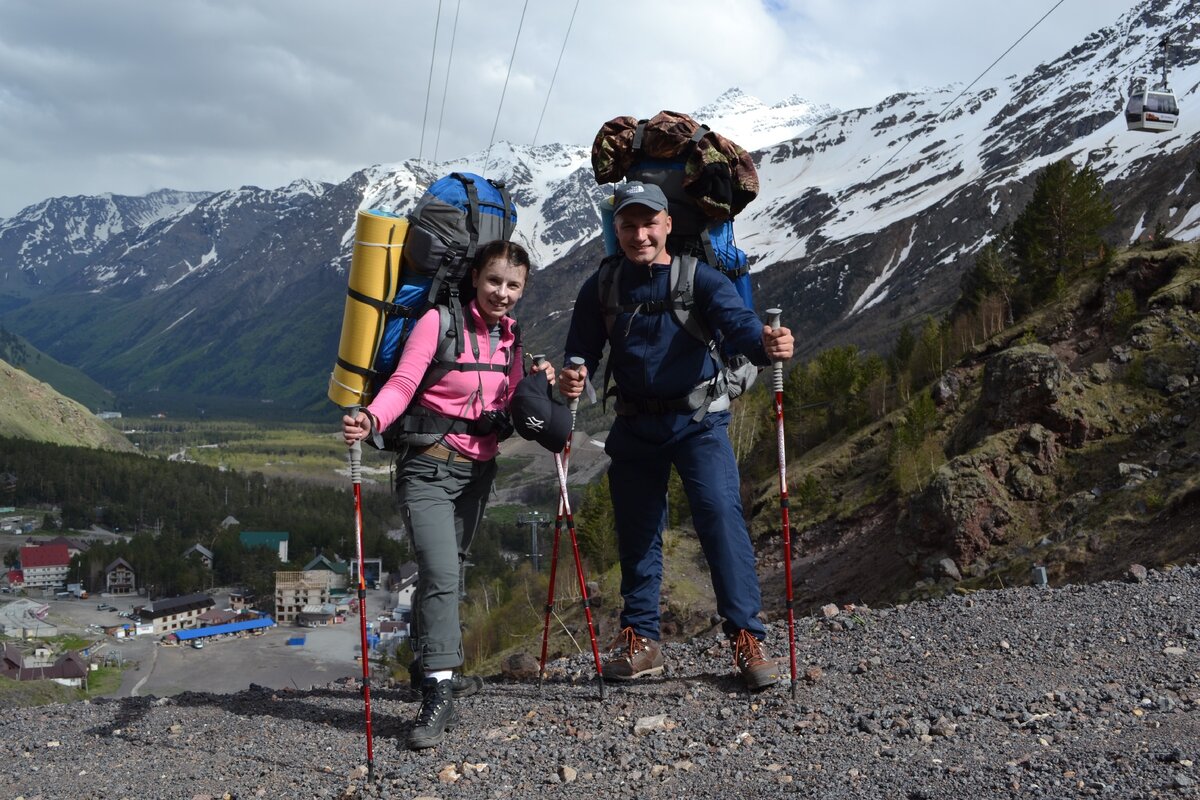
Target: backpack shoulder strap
{"points": [[683, 297], [610, 291]]}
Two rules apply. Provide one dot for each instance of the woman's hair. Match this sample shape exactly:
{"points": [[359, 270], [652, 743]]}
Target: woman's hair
{"points": [[511, 252]]}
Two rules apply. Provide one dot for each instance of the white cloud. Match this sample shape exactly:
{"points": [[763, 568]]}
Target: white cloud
{"points": [[128, 95]]}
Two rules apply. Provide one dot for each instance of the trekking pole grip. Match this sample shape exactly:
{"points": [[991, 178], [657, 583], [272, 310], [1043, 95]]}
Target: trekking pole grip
{"points": [[776, 367], [355, 451], [577, 362]]}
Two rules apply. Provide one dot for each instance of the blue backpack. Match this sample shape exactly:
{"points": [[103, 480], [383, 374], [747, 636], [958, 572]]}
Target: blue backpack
{"points": [[457, 214]]}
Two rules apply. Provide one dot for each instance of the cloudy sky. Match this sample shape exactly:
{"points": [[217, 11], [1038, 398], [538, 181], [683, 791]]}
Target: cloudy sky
{"points": [[129, 96]]}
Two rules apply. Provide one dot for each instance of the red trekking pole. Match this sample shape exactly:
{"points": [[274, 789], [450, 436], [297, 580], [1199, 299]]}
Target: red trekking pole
{"points": [[561, 462], [777, 385], [356, 480]]}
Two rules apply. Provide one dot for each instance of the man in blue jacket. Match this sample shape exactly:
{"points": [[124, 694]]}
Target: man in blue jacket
{"points": [[657, 367]]}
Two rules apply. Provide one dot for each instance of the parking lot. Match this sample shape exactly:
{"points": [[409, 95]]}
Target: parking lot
{"points": [[222, 665]]}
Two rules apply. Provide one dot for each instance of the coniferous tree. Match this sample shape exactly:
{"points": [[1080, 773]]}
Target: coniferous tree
{"points": [[1059, 229]]}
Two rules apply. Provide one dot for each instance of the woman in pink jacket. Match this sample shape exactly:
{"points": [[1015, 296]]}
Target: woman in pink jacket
{"points": [[443, 486]]}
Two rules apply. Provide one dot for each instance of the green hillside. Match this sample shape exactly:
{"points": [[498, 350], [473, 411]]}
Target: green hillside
{"points": [[31, 409], [65, 379]]}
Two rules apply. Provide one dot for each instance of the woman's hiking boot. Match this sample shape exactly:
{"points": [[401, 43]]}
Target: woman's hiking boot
{"points": [[463, 685], [757, 670], [631, 656], [436, 715]]}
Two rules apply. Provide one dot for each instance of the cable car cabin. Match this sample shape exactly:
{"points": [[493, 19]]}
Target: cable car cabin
{"points": [[1153, 112]]}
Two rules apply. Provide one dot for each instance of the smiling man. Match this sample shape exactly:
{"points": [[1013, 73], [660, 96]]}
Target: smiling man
{"points": [[670, 411]]}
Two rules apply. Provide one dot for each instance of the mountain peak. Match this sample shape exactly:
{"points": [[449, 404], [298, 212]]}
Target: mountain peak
{"points": [[753, 124]]}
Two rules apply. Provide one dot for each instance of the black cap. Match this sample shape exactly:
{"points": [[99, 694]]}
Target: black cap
{"points": [[641, 194], [539, 416]]}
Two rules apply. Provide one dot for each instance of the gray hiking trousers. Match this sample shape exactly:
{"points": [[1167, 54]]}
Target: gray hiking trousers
{"points": [[442, 505]]}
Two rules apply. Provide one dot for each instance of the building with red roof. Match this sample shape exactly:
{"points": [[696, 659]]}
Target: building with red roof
{"points": [[45, 565]]}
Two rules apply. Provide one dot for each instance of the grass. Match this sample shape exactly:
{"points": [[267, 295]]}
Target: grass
{"points": [[101, 682], [276, 449]]}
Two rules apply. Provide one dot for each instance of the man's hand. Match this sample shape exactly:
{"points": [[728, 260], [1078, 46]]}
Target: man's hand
{"points": [[571, 381], [778, 343]]}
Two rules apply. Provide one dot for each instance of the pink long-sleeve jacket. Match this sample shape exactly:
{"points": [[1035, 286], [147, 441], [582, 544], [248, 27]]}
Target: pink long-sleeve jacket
{"points": [[464, 395]]}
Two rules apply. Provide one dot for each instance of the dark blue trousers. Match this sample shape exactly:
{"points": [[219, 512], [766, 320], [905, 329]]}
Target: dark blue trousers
{"points": [[703, 456]]}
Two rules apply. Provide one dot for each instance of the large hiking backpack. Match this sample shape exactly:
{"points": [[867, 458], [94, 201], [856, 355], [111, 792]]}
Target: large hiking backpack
{"points": [[453, 219], [707, 180], [402, 268]]}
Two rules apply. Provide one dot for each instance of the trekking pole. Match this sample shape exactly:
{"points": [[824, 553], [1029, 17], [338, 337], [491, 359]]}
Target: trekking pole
{"points": [[356, 480], [553, 557], [558, 521], [777, 385], [561, 462]]}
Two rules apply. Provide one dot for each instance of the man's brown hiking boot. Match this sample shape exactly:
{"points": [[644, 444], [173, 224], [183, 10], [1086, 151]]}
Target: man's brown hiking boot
{"points": [[757, 670], [631, 656]]}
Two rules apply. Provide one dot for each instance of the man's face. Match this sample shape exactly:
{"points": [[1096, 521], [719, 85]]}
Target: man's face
{"points": [[642, 233]]}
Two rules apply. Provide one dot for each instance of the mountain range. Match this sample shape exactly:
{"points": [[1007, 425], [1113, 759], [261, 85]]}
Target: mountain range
{"points": [[865, 221]]}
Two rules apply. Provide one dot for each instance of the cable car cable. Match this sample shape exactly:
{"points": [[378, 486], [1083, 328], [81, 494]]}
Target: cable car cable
{"points": [[1167, 35], [446, 86], [555, 75], [972, 83], [429, 84], [504, 91]]}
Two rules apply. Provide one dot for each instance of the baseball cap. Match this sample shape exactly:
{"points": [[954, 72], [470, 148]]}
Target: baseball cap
{"points": [[538, 416], [642, 194]]}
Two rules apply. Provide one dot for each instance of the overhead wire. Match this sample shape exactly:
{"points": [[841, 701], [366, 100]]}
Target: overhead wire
{"points": [[520, 25], [446, 86], [429, 84], [946, 108], [554, 77], [1166, 36]]}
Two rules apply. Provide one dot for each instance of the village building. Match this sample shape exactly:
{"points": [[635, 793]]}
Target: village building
{"points": [[69, 669], [45, 565], [205, 555], [403, 584], [74, 546], [296, 591], [119, 578], [272, 540], [241, 599], [175, 613]]}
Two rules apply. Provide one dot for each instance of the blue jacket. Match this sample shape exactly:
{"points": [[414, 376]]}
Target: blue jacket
{"points": [[651, 355]]}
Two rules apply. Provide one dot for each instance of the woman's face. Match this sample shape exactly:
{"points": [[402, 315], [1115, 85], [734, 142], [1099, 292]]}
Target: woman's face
{"points": [[498, 287]]}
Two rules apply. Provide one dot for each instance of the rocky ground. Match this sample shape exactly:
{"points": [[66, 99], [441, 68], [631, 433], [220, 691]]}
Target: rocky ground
{"points": [[1055, 693]]}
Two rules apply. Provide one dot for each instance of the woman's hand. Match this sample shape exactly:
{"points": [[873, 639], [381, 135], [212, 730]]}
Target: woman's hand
{"points": [[356, 428], [546, 367]]}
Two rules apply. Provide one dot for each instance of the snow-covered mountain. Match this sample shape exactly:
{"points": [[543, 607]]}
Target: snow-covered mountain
{"points": [[753, 124], [866, 219], [54, 239]]}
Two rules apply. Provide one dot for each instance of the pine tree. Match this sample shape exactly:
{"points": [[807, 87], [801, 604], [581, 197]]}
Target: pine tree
{"points": [[1060, 228]]}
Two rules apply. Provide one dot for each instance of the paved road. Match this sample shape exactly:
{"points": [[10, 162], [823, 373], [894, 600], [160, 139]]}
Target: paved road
{"points": [[222, 666]]}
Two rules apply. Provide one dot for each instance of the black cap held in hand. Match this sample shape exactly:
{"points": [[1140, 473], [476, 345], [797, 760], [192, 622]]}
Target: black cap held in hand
{"points": [[538, 416]]}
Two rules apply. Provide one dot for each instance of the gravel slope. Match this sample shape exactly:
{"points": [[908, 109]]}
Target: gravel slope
{"points": [[1053, 693]]}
